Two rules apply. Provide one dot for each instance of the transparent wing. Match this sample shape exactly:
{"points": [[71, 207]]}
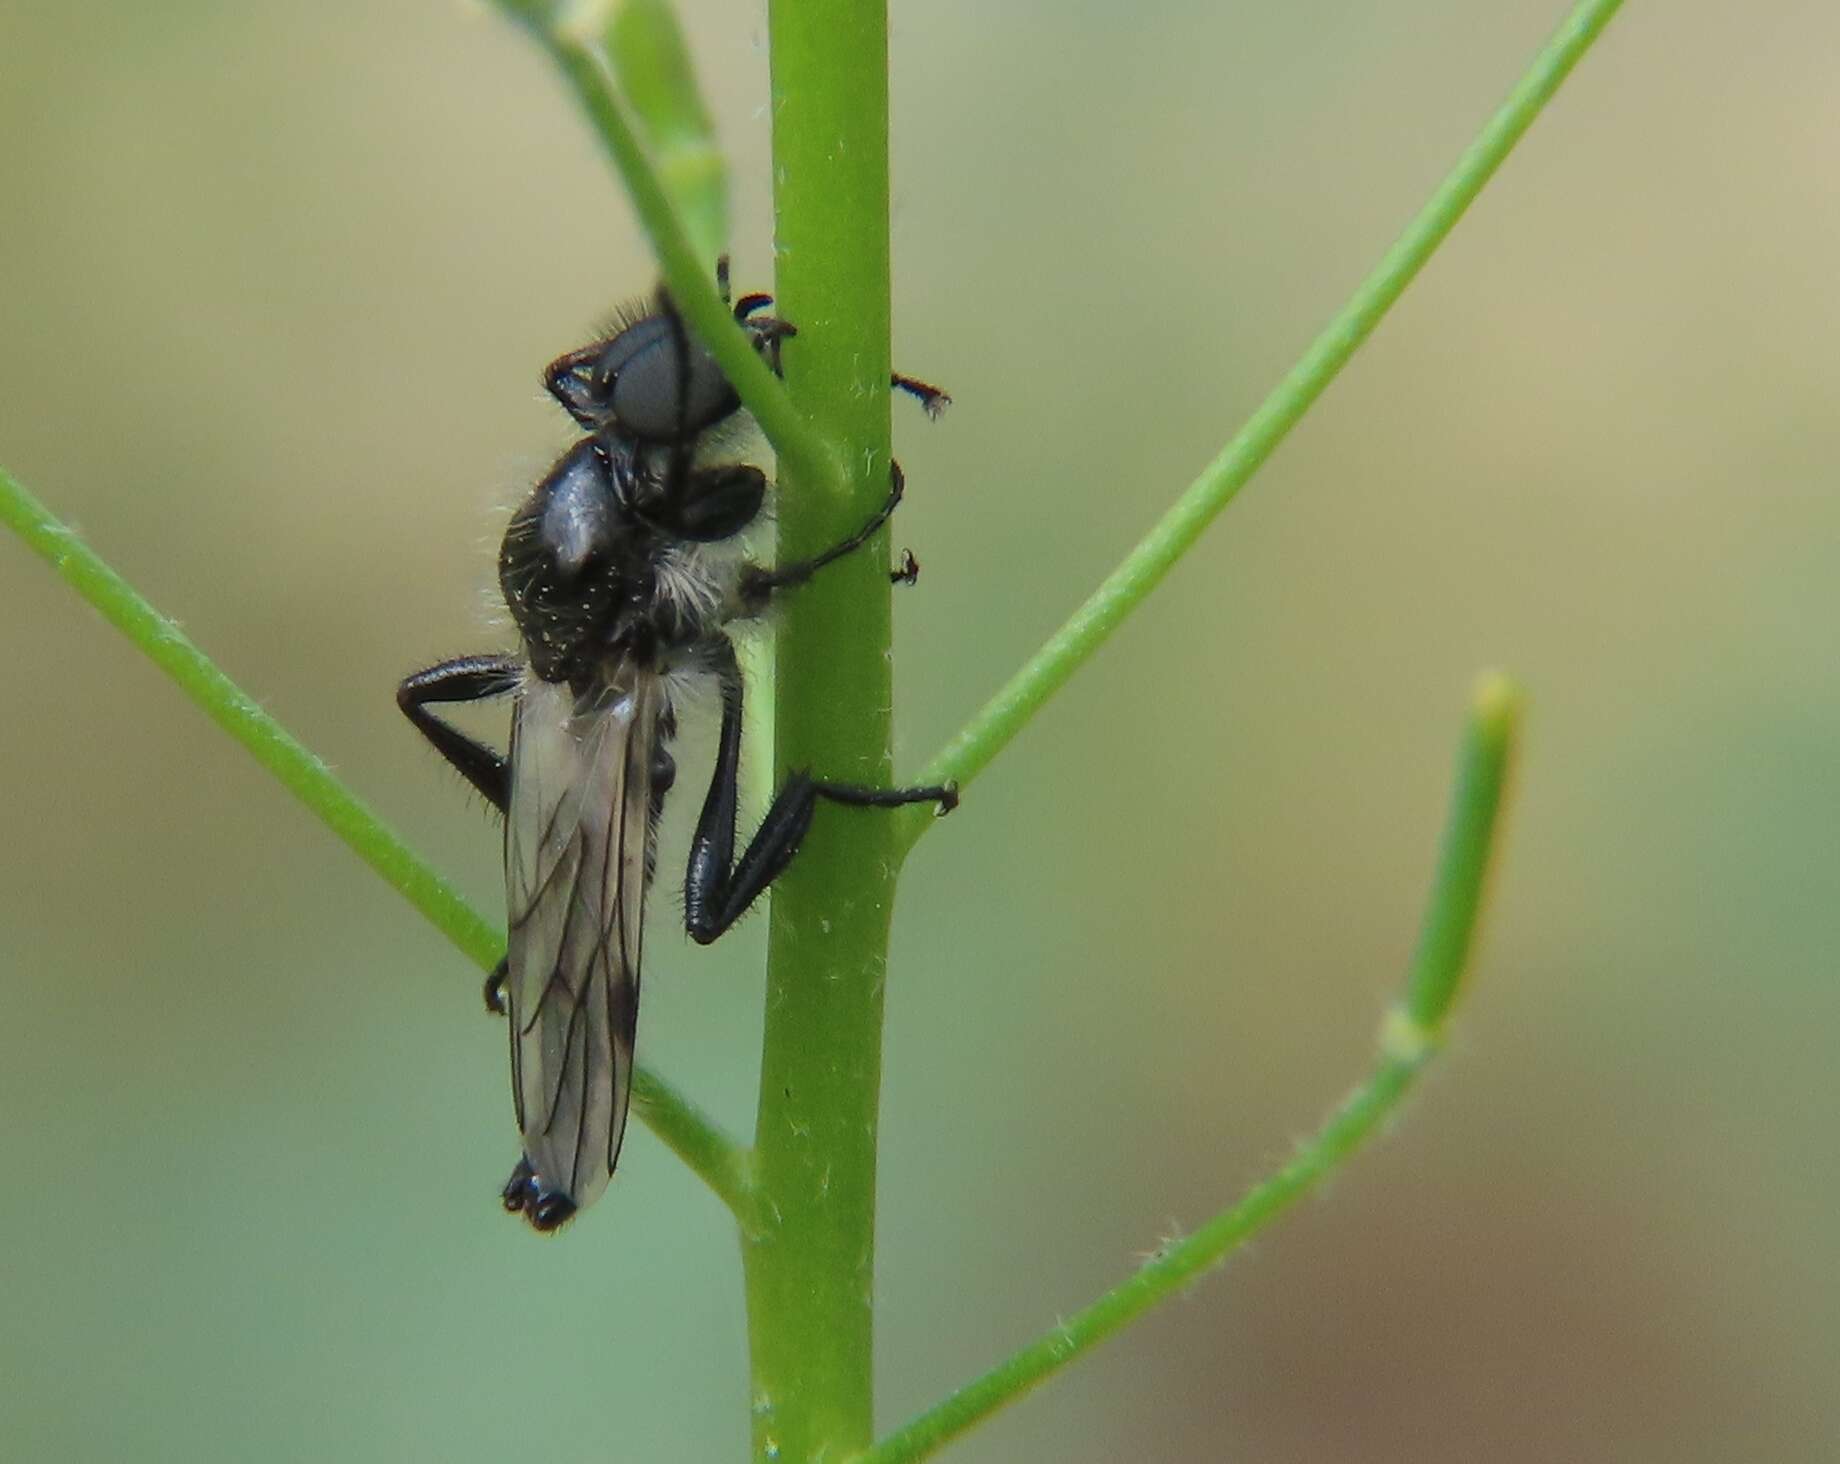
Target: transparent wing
{"points": [[576, 864]]}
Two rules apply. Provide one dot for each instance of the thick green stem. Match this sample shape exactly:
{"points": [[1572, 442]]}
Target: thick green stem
{"points": [[810, 1261]]}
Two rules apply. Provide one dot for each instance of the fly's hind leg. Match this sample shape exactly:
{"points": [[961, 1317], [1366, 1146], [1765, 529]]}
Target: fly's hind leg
{"points": [[466, 679], [718, 887]]}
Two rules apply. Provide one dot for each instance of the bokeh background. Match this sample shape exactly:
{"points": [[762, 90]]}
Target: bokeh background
{"points": [[275, 285]]}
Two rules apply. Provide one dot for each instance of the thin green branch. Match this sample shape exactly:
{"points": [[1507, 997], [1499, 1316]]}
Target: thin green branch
{"points": [[1069, 648], [1451, 917], [717, 1159], [1409, 1040], [652, 61], [687, 272], [707, 1150]]}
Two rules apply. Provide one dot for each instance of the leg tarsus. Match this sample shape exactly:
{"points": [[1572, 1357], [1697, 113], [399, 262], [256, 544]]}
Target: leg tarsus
{"points": [[933, 401], [495, 987], [859, 795]]}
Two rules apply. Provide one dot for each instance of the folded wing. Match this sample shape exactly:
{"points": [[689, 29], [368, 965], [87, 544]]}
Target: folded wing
{"points": [[576, 865]]}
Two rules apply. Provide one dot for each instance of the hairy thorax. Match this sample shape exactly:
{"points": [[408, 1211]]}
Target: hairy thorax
{"points": [[588, 581]]}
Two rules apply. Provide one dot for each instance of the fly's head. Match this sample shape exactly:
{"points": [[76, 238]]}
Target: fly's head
{"points": [[650, 380]]}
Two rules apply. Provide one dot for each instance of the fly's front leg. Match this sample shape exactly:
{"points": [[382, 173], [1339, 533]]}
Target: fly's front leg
{"points": [[467, 679], [933, 401], [758, 585], [718, 888]]}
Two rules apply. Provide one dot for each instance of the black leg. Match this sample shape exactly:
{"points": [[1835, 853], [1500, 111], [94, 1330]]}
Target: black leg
{"points": [[757, 585], [468, 679], [495, 987], [775, 333], [909, 572], [933, 401], [718, 888], [710, 504], [769, 332]]}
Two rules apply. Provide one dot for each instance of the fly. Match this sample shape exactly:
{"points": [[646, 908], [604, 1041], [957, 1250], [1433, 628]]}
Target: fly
{"points": [[612, 571]]}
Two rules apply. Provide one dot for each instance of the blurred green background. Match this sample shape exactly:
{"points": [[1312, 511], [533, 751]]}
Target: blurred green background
{"points": [[275, 285]]}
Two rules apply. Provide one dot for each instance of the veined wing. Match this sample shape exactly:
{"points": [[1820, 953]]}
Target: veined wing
{"points": [[576, 865]]}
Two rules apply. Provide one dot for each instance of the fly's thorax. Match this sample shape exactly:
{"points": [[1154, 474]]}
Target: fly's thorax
{"points": [[694, 584], [574, 561], [588, 573]]}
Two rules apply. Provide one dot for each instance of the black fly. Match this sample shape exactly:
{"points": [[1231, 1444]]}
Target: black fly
{"points": [[611, 572]]}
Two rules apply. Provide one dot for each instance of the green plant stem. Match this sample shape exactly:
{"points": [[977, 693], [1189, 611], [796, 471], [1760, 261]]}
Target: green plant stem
{"points": [[652, 62], [801, 447], [717, 1159], [1453, 914], [1122, 591], [1174, 1267], [1408, 1043], [810, 1265]]}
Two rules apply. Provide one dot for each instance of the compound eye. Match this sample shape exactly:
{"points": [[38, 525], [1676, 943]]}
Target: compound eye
{"points": [[672, 390]]}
